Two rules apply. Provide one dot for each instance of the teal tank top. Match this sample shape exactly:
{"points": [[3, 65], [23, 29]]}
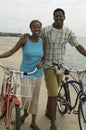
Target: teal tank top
{"points": [[32, 54]]}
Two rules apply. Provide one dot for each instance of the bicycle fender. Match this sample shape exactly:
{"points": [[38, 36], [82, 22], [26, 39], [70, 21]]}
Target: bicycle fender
{"points": [[15, 100]]}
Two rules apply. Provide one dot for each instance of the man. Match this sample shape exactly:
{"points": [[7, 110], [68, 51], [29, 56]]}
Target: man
{"points": [[56, 36]]}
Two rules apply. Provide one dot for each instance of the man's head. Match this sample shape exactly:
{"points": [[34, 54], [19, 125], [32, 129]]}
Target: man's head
{"points": [[59, 17]]}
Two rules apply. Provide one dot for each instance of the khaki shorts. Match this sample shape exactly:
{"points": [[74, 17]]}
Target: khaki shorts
{"points": [[53, 81]]}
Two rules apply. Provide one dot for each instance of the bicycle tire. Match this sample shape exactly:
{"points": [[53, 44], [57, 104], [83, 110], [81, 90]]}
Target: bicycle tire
{"points": [[14, 117], [81, 112], [1, 107], [62, 99]]}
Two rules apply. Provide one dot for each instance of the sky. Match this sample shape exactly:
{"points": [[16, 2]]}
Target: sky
{"points": [[15, 15]]}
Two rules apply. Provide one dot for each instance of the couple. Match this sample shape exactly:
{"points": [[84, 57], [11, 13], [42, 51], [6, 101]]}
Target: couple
{"points": [[43, 51]]}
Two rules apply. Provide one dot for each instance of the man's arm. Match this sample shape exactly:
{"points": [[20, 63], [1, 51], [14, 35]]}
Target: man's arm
{"points": [[81, 49]]}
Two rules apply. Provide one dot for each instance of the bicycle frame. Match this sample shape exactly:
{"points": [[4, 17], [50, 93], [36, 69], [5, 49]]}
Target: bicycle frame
{"points": [[8, 95], [78, 88]]}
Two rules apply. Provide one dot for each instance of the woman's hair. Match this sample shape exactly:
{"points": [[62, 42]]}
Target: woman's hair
{"points": [[59, 9], [34, 21]]}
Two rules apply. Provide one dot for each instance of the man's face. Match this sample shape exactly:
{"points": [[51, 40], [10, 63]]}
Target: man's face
{"points": [[59, 19]]}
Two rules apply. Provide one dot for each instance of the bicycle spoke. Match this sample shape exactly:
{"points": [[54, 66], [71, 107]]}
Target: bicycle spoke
{"points": [[61, 101]]}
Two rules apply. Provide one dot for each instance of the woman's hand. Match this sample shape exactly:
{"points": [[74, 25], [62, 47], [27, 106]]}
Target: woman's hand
{"points": [[39, 65]]}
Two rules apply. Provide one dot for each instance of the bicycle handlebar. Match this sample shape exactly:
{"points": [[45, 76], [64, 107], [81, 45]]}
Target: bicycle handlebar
{"points": [[67, 71], [13, 70], [59, 66]]}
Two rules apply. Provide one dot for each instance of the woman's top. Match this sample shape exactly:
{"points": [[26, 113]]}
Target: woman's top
{"points": [[32, 55]]}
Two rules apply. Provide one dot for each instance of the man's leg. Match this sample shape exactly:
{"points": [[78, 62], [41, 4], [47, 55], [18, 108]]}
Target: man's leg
{"points": [[52, 80], [52, 89]]}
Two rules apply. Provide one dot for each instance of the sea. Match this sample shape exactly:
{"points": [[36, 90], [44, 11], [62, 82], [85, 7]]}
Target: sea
{"points": [[73, 59]]}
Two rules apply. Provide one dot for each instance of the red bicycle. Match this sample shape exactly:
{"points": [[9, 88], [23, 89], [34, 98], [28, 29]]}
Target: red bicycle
{"points": [[9, 103]]}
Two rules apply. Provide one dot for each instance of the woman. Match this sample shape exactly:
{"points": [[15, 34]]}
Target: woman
{"points": [[33, 49]]}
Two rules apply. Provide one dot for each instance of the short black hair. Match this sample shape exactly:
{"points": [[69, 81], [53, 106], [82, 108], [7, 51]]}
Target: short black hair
{"points": [[33, 21], [59, 9]]}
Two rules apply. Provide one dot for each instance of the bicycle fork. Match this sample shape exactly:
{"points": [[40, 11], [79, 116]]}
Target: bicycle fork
{"points": [[13, 99]]}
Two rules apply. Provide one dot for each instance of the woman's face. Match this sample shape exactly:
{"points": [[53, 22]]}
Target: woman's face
{"points": [[36, 28]]}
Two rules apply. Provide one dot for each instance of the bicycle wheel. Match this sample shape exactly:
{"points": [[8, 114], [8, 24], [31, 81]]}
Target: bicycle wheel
{"points": [[1, 107], [82, 114], [62, 99], [14, 117]]}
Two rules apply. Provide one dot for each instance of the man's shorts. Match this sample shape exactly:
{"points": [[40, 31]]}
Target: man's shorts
{"points": [[53, 81]]}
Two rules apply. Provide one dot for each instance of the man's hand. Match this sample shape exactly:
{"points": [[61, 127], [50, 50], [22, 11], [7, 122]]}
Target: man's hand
{"points": [[25, 35]]}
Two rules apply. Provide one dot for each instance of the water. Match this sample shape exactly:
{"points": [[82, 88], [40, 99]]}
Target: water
{"points": [[72, 58], [12, 39]]}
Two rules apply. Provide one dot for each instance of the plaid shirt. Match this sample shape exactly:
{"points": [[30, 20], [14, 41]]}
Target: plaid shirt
{"points": [[55, 50]]}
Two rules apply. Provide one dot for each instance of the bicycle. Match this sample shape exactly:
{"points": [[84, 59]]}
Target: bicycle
{"points": [[64, 98], [9, 103]]}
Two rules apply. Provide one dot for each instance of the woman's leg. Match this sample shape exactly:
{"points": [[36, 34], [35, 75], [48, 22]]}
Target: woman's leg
{"points": [[25, 90], [34, 103]]}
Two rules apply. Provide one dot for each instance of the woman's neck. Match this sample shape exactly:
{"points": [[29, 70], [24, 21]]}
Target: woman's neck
{"points": [[34, 38]]}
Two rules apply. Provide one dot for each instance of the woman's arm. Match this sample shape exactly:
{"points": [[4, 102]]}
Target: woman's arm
{"points": [[14, 49], [44, 55]]}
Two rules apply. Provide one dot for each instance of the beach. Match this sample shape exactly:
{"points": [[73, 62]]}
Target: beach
{"points": [[66, 122]]}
